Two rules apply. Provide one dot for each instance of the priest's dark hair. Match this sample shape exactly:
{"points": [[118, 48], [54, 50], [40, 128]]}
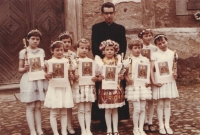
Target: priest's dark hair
{"points": [[108, 5]]}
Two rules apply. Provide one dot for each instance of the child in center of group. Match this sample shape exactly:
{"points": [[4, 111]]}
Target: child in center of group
{"points": [[66, 38], [32, 92], [148, 49], [58, 99], [137, 93], [110, 99], [163, 93], [84, 95]]}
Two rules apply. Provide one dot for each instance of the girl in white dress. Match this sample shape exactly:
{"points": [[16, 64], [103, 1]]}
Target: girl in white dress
{"points": [[84, 95], [66, 38], [148, 49], [58, 98], [32, 92], [147, 35], [137, 93], [163, 93]]}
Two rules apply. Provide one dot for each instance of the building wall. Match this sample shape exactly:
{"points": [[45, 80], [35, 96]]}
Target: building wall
{"points": [[134, 15], [161, 16]]}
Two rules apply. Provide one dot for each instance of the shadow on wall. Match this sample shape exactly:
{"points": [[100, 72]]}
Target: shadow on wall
{"points": [[189, 71]]}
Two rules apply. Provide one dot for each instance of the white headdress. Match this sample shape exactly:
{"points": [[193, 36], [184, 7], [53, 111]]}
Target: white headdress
{"points": [[109, 43]]}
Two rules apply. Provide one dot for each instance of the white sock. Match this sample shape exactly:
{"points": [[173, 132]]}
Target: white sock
{"points": [[150, 111], [160, 112], [115, 119], [145, 117], [142, 114], [63, 120], [30, 118], [136, 113], [167, 112], [53, 121], [88, 107], [108, 113], [69, 118], [81, 117], [38, 117]]}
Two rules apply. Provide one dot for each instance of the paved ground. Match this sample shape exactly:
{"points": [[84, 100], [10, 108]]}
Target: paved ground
{"points": [[185, 117]]}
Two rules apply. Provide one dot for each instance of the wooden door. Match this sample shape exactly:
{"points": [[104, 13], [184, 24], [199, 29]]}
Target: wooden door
{"points": [[17, 18]]}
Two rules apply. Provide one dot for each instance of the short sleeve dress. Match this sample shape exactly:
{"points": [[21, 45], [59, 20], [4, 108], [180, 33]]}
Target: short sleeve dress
{"points": [[59, 97], [84, 93], [136, 93], [31, 91], [167, 90]]}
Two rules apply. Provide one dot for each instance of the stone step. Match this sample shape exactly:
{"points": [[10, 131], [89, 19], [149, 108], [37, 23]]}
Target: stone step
{"points": [[9, 87]]}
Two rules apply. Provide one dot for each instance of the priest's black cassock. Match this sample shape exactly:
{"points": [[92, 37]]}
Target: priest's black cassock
{"points": [[101, 32]]}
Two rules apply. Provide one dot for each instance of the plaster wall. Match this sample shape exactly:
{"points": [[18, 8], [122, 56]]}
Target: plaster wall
{"points": [[159, 15]]}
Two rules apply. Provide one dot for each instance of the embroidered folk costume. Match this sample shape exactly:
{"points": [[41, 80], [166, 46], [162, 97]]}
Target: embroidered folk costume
{"points": [[110, 98]]}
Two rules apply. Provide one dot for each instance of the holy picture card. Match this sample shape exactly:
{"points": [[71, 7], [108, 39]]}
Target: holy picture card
{"points": [[35, 68], [86, 72], [110, 77], [142, 74], [59, 70], [146, 53], [163, 72]]}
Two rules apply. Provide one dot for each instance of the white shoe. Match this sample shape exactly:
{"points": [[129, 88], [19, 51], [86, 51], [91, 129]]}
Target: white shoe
{"points": [[83, 133], [116, 133], [142, 133], [169, 131], [136, 132], [162, 131], [34, 133], [71, 130], [64, 132], [89, 133]]}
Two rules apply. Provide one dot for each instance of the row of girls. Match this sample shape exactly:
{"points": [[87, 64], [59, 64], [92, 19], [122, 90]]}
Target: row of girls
{"points": [[61, 100]]}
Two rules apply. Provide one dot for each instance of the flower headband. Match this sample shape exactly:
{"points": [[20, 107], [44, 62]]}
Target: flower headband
{"points": [[66, 33], [54, 43], [158, 36], [36, 30], [144, 31], [109, 43]]}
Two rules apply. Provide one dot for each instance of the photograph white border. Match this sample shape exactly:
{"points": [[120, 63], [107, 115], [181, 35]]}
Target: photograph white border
{"points": [[36, 75], [86, 80], [59, 82], [142, 81], [163, 78], [111, 85]]}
